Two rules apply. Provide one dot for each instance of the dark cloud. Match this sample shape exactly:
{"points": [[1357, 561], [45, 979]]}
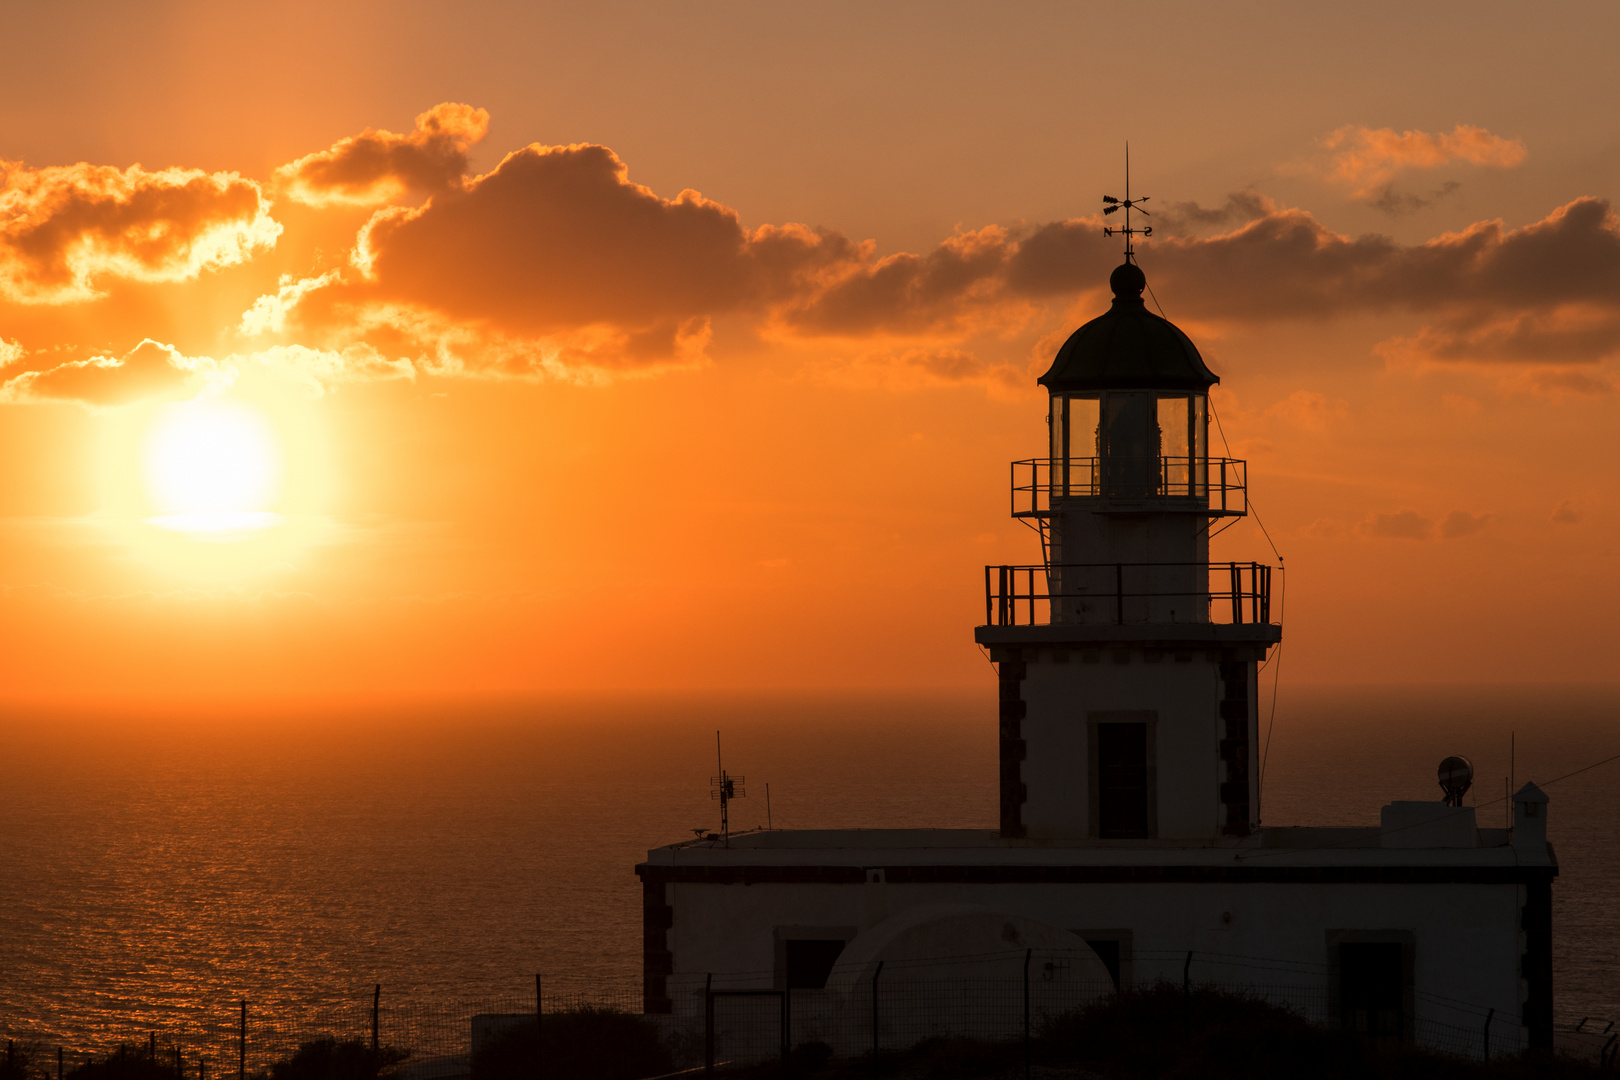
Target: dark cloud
{"points": [[556, 247], [376, 166], [1399, 204], [1189, 218], [558, 237], [1460, 523], [1402, 525], [63, 229]]}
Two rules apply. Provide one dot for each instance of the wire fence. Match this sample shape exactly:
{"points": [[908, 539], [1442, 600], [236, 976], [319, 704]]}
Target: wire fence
{"points": [[755, 1017]]}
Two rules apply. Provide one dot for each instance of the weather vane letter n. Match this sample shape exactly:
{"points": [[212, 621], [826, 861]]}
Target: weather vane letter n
{"points": [[1111, 204]]}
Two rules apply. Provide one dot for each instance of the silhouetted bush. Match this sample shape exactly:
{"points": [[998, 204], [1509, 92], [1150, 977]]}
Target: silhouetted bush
{"points": [[1156, 1031], [587, 1043], [813, 1056], [17, 1059], [127, 1063], [328, 1059]]}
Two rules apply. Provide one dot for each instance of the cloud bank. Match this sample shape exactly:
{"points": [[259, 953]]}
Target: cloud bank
{"points": [[66, 229], [557, 264]]}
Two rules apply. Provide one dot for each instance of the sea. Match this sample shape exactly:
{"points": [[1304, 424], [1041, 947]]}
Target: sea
{"points": [[155, 871]]}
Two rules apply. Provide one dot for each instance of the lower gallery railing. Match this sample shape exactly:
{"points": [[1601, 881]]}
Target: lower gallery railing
{"points": [[1127, 593]]}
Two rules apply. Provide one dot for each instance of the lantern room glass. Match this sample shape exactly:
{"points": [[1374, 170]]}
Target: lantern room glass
{"points": [[1130, 444]]}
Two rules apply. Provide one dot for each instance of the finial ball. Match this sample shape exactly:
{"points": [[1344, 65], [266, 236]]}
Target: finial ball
{"points": [[1127, 281]]}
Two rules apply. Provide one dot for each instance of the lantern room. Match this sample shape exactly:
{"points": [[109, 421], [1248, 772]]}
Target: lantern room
{"points": [[1129, 415]]}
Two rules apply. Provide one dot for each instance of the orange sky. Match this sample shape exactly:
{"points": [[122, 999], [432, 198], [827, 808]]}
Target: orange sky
{"points": [[541, 416]]}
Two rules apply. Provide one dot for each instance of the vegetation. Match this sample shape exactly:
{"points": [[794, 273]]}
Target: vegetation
{"points": [[128, 1062], [1156, 1033], [14, 1064], [328, 1059], [586, 1043]]}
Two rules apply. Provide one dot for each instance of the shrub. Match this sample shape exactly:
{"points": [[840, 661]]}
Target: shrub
{"points": [[586, 1043], [328, 1059], [126, 1063]]}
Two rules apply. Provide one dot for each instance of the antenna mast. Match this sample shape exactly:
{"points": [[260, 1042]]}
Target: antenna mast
{"points": [[1111, 204], [725, 788]]}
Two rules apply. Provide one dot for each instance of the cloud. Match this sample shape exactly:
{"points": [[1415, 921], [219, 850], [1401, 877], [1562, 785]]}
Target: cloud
{"points": [[917, 368], [268, 315], [1399, 204], [553, 238], [1365, 159], [961, 286], [379, 166], [64, 229], [151, 369], [317, 370], [1460, 523], [1402, 525], [556, 263], [1566, 513], [1188, 218], [1308, 410]]}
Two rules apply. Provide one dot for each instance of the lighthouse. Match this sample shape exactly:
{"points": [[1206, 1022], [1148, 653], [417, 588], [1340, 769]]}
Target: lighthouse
{"points": [[1129, 847], [1126, 659]]}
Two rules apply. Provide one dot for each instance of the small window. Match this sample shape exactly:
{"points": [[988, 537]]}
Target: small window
{"points": [[809, 961], [1122, 781], [1372, 988]]}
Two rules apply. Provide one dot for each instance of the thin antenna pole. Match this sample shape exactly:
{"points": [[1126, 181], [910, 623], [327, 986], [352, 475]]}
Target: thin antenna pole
{"points": [[767, 808], [725, 819], [1130, 248], [1513, 759]]}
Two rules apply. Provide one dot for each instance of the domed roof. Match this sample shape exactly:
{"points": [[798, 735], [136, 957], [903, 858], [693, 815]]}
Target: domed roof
{"points": [[1128, 348]]}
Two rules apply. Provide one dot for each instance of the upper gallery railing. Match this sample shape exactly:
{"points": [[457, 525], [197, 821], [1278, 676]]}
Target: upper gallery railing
{"points": [[1124, 594], [1217, 486]]}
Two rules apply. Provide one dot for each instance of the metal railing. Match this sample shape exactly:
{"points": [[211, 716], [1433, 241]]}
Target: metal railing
{"points": [[1218, 486], [1232, 593]]}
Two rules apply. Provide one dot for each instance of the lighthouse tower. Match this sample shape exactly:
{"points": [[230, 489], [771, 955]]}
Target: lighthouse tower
{"points": [[1126, 658]]}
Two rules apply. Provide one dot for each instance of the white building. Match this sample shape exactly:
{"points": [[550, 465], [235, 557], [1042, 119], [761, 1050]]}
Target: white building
{"points": [[1128, 846]]}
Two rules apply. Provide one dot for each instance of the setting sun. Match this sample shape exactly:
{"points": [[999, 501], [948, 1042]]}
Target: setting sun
{"points": [[212, 468]]}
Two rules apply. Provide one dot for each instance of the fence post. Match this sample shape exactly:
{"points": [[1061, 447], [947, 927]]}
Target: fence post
{"points": [[539, 1031], [376, 1004], [1488, 1016], [787, 1026], [875, 975], [241, 1045], [708, 1025], [151, 1047], [1186, 996], [1027, 954], [179, 1064], [58, 1063], [202, 1068]]}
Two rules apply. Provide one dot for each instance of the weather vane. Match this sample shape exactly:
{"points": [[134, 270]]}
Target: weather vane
{"points": [[1127, 204]]}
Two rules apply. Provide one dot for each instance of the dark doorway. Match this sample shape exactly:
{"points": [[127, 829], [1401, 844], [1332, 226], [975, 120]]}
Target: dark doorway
{"points": [[810, 960], [1122, 781], [1372, 988], [1108, 952]]}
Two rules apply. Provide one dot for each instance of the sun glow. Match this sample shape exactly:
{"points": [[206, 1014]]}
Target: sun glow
{"points": [[212, 469]]}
